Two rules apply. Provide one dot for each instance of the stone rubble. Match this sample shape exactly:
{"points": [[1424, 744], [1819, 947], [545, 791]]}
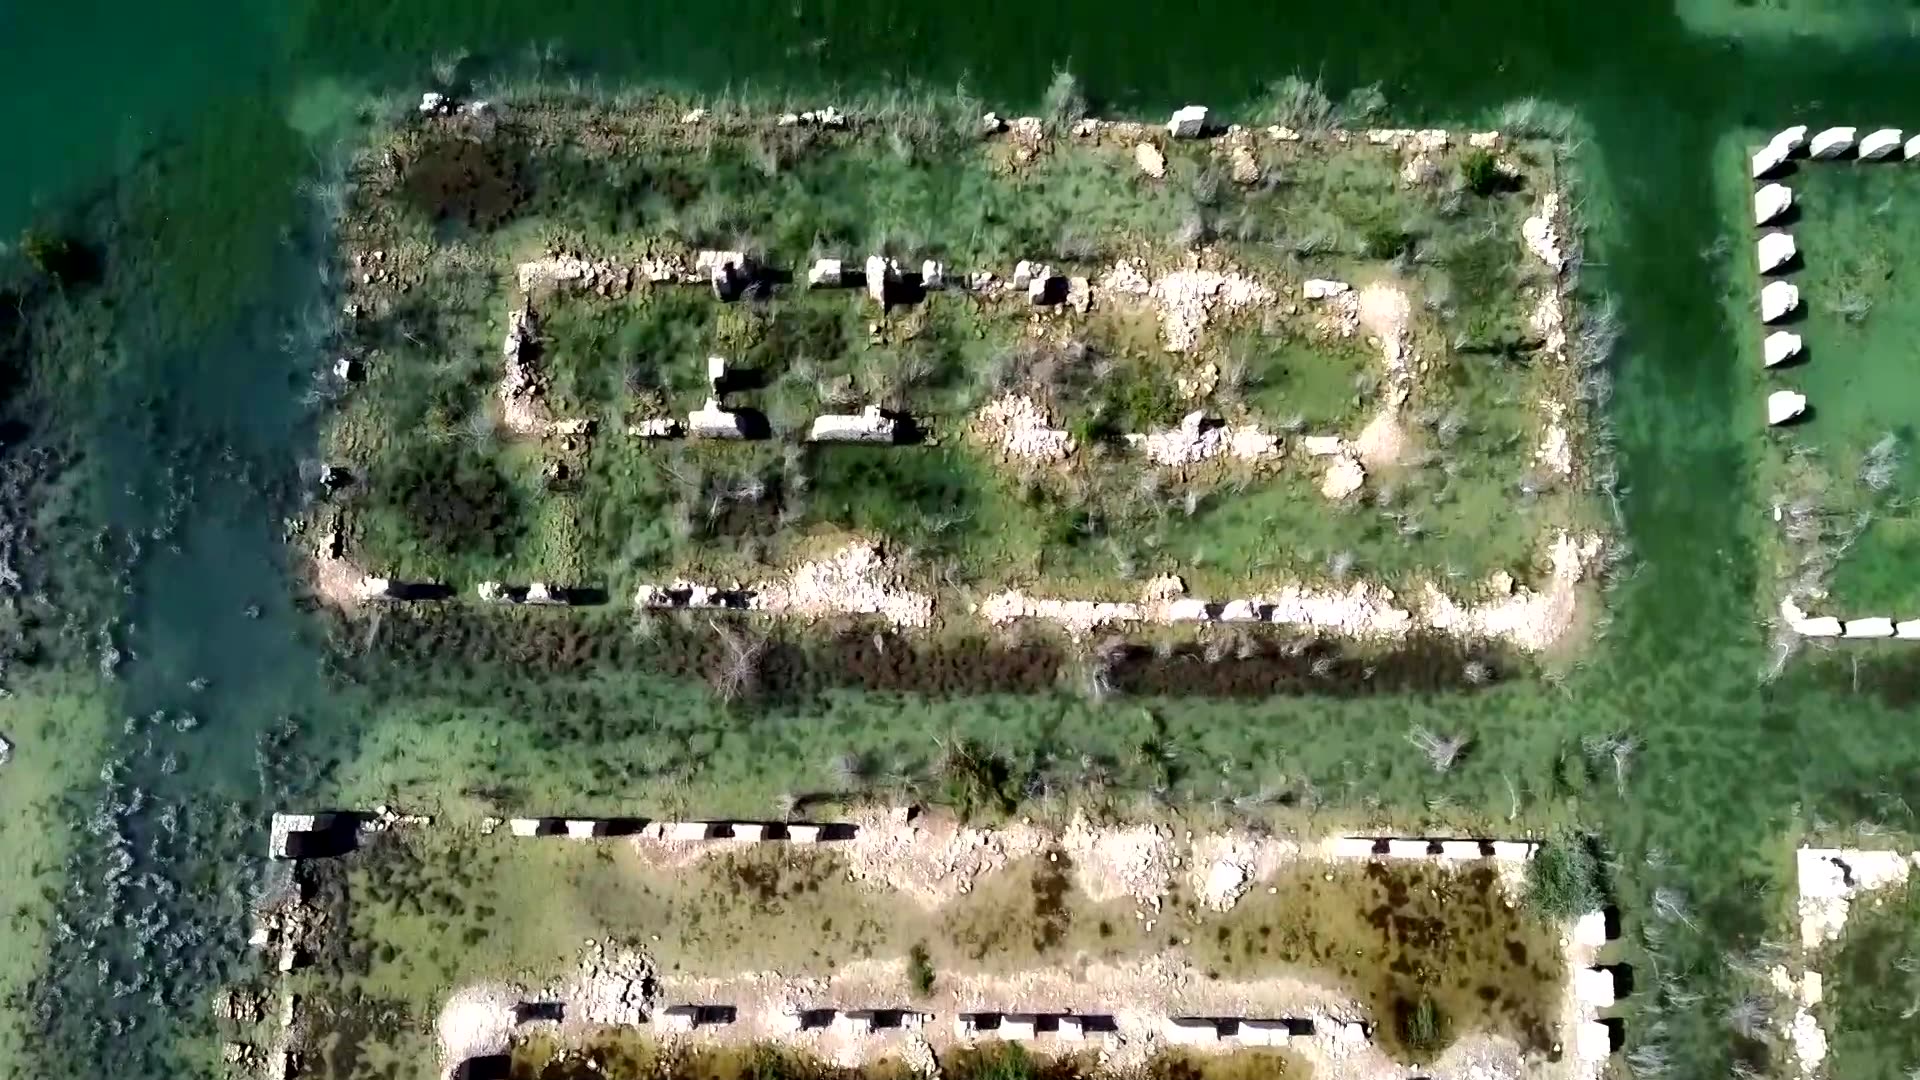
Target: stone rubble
{"points": [[1542, 233], [1018, 426], [856, 580], [1530, 621], [1195, 441], [1150, 160], [521, 387], [1344, 476], [1187, 298]]}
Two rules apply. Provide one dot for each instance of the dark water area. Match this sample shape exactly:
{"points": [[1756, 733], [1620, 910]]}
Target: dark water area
{"points": [[190, 144]]}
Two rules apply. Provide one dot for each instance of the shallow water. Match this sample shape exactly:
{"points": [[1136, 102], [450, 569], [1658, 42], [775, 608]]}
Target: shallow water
{"points": [[193, 417]]}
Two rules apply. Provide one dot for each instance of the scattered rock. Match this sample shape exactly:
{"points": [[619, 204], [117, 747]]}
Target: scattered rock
{"points": [[1150, 159]]}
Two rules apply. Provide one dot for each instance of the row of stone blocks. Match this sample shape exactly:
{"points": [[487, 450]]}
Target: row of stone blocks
{"points": [[1871, 627], [1438, 850], [793, 832], [1017, 1026], [1777, 251]]}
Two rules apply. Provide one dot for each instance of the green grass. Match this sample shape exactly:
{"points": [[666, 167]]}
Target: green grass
{"points": [[1871, 988], [57, 726], [630, 512], [1852, 461]]}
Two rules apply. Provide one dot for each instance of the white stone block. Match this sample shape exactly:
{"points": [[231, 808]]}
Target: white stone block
{"points": [[1264, 1032], [1189, 122], [825, 274], [1879, 144], [1791, 139], [710, 421], [1512, 850], [1595, 987], [1907, 630], [933, 274], [1019, 1027], [1072, 1029], [1407, 849], [1348, 847], [716, 369], [524, 826], [1867, 628], [1323, 445], [584, 828], [1776, 249], [683, 831], [1785, 405], [1832, 142], [1188, 610], [1821, 626], [750, 833], [1912, 148], [1770, 202], [1323, 288], [1781, 346], [868, 425], [857, 1022], [1593, 1043], [1590, 930], [878, 270], [1191, 1031], [1240, 611], [1767, 159], [1460, 850], [803, 834], [1778, 299]]}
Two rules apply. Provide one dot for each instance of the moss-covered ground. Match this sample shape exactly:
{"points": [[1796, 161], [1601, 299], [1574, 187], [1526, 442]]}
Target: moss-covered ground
{"points": [[445, 493]]}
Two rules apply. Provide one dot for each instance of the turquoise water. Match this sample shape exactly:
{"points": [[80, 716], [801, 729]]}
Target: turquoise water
{"points": [[171, 127]]}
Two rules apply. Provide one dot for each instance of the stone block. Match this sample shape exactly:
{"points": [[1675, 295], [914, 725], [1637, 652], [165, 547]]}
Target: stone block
{"points": [[1776, 249], [1784, 406], [1867, 628], [1778, 299], [1770, 202], [1512, 850], [1191, 1031], [1594, 987], [1265, 1032], [1879, 144], [1188, 122], [825, 274], [1832, 142], [1780, 347], [1767, 159], [1348, 847]]}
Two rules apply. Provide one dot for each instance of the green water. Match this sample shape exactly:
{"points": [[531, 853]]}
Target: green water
{"points": [[176, 122]]}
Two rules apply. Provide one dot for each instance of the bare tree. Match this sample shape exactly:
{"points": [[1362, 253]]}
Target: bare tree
{"points": [[1443, 751], [742, 667]]}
